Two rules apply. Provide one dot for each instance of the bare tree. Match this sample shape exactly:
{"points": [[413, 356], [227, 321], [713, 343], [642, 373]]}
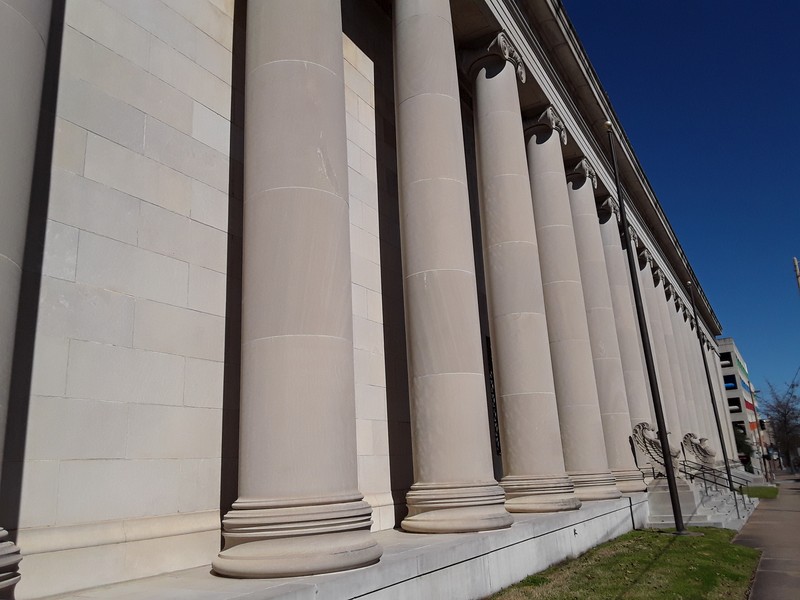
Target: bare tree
{"points": [[782, 409]]}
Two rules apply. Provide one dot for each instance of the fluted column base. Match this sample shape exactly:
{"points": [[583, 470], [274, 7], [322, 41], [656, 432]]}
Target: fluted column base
{"points": [[629, 480], [535, 494], [9, 565], [263, 539], [434, 508], [594, 486]]}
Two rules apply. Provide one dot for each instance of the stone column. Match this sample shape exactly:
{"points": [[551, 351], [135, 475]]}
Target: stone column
{"points": [[24, 28], [568, 331], [689, 418], [299, 510], [533, 464], [704, 414], [625, 320], [454, 487], [694, 376], [663, 292], [666, 385], [714, 434], [610, 380], [722, 405]]}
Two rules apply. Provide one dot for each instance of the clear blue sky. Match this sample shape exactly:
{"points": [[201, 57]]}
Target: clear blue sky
{"points": [[708, 92]]}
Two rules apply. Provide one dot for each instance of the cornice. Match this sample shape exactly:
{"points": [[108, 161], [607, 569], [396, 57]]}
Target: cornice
{"points": [[513, 19]]}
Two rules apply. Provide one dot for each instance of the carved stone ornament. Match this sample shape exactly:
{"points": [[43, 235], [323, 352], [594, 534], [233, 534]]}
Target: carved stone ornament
{"points": [[700, 449], [668, 291], [658, 275], [608, 207], [613, 205], [584, 169], [634, 237], [646, 439], [502, 46], [551, 119], [644, 254]]}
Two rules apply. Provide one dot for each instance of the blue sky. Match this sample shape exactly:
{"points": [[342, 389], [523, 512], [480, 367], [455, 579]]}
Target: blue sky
{"points": [[708, 92]]}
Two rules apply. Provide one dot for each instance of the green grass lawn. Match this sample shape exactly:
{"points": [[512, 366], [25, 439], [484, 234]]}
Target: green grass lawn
{"points": [[647, 565], [761, 491]]}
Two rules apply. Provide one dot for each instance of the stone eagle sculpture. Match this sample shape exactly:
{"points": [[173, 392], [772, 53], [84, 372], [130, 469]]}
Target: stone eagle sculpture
{"points": [[700, 449], [645, 437]]}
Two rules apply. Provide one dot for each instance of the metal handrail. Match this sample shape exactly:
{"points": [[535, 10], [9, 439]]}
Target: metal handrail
{"points": [[709, 474], [718, 473]]}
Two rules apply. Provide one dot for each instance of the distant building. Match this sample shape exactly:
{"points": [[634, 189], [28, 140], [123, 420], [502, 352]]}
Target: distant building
{"points": [[742, 403]]}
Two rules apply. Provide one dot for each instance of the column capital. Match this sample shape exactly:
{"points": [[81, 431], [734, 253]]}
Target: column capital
{"points": [[678, 303], [500, 48], [609, 205], [635, 241], [550, 119], [669, 292], [583, 170], [658, 274], [645, 258]]}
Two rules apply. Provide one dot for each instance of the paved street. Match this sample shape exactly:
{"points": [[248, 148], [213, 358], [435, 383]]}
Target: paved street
{"points": [[775, 528]]}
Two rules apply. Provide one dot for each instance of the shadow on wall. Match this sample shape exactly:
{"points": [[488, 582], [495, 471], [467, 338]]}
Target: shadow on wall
{"points": [[369, 26], [229, 470], [30, 285]]}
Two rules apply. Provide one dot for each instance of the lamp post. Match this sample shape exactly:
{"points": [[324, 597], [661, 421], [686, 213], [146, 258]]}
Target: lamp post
{"points": [[710, 388], [648, 353]]}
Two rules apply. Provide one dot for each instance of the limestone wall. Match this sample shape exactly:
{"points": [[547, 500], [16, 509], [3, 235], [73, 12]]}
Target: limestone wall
{"points": [[125, 413], [134, 392]]}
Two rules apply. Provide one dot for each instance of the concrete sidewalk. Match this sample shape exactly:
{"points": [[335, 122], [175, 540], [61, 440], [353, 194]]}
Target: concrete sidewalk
{"points": [[774, 528]]}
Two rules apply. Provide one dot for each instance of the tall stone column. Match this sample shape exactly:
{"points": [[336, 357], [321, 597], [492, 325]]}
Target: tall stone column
{"points": [[24, 29], [454, 487], [609, 377], [689, 418], [663, 292], [666, 385], [630, 341], [567, 327], [690, 341], [704, 411], [533, 464], [299, 510]]}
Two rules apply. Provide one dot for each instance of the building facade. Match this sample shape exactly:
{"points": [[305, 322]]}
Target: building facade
{"points": [[297, 272], [742, 402]]}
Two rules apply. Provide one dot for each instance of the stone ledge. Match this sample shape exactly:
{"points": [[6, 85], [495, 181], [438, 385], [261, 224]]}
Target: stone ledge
{"points": [[40, 540], [417, 565]]}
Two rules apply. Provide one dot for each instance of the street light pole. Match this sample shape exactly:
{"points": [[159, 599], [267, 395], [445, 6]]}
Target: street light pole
{"points": [[710, 388], [648, 353]]}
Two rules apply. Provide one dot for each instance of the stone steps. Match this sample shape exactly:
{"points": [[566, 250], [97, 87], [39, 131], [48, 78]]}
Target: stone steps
{"points": [[715, 507]]}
